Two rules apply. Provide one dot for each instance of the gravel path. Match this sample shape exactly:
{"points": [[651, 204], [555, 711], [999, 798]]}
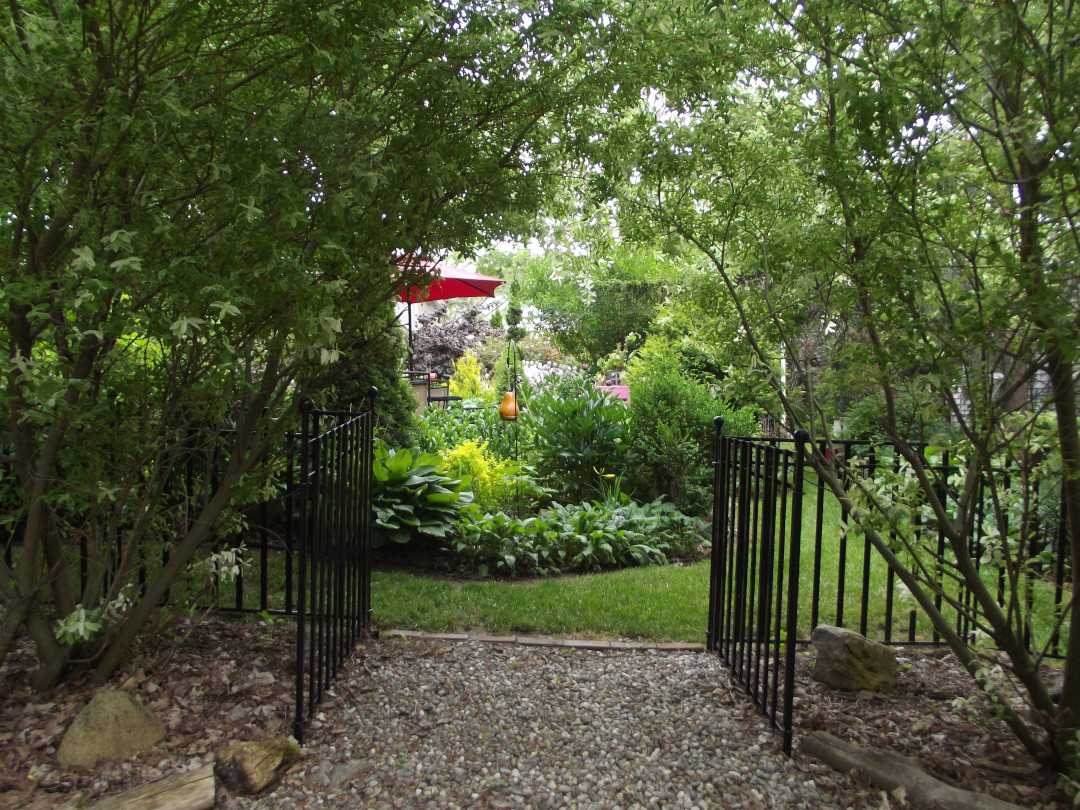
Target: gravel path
{"points": [[430, 723]]}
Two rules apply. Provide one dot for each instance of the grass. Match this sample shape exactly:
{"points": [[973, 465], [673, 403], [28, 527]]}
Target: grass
{"points": [[661, 603]]}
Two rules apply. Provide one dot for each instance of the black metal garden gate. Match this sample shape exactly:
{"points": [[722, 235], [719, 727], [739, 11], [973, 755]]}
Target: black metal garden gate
{"points": [[769, 511], [754, 576], [333, 608]]}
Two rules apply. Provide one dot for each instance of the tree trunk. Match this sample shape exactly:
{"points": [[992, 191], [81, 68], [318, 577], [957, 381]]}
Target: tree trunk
{"points": [[1064, 395]]}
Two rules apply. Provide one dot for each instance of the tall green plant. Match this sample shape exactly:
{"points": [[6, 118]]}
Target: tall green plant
{"points": [[578, 435], [672, 430]]}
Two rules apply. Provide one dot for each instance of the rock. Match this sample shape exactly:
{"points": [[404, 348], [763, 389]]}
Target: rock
{"points": [[251, 767], [113, 726], [848, 660]]}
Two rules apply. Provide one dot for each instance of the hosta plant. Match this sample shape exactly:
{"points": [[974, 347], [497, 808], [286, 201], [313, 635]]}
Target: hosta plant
{"points": [[411, 497], [613, 533]]}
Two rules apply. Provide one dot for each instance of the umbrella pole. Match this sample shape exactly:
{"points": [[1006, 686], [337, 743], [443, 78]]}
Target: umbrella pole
{"points": [[410, 335]]}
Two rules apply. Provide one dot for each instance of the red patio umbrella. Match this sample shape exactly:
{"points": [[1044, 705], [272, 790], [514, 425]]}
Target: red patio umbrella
{"points": [[447, 282]]}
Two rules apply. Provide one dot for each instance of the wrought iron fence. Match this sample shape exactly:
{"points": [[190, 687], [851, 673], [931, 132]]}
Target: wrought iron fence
{"points": [[334, 597], [754, 574], [307, 549], [785, 561]]}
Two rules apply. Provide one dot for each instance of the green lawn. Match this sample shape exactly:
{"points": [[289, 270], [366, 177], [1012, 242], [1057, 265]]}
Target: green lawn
{"points": [[662, 603]]}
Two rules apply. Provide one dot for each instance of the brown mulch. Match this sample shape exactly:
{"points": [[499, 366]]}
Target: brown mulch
{"points": [[226, 681], [231, 680], [936, 716]]}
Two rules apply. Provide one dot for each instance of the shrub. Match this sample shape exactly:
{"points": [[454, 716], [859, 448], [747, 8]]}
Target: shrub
{"points": [[578, 432], [612, 533], [439, 340], [412, 498], [489, 543], [497, 483], [466, 381], [671, 418], [375, 360], [441, 428]]}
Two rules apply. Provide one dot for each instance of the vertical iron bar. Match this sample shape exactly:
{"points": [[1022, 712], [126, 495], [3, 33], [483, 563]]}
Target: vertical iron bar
{"points": [[264, 555], [718, 528], [739, 630], [801, 439], [732, 494], [306, 406], [290, 517], [782, 570], [819, 523], [864, 608]]}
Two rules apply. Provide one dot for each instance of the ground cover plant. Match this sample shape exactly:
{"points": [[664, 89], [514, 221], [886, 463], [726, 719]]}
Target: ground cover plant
{"points": [[614, 532]]}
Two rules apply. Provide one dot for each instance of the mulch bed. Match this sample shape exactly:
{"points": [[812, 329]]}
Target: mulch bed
{"points": [[936, 716]]}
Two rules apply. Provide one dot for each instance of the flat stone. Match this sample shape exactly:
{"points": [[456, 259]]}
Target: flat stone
{"points": [[586, 644], [493, 639], [538, 641], [113, 726]]}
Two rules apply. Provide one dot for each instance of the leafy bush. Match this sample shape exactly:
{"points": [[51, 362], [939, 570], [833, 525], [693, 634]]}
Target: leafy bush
{"points": [[375, 359], [613, 533], [439, 341], [441, 428], [497, 483], [496, 542], [577, 432], [412, 498], [466, 381], [672, 430]]}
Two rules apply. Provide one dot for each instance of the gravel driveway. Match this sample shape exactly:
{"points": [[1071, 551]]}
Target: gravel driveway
{"points": [[444, 724]]}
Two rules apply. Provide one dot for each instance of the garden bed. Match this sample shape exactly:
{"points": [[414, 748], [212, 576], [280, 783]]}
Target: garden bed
{"points": [[936, 716]]}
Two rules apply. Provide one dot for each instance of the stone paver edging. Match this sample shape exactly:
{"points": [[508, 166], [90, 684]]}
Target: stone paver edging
{"points": [[551, 641]]}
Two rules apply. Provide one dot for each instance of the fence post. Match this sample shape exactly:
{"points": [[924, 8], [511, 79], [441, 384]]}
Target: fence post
{"points": [[802, 437], [718, 533], [306, 407]]}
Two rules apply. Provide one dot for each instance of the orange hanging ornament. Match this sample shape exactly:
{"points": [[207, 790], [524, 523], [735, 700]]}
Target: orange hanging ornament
{"points": [[509, 409]]}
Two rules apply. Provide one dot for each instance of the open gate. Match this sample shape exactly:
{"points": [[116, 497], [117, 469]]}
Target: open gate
{"points": [[754, 575], [334, 553]]}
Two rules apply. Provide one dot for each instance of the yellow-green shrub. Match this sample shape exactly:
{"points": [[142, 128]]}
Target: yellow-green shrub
{"points": [[466, 381], [492, 477]]}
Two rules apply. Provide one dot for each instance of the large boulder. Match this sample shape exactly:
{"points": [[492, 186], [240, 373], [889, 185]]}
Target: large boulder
{"points": [[113, 726], [848, 660]]}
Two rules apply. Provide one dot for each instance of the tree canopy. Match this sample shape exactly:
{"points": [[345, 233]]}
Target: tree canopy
{"points": [[199, 204], [885, 196]]}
